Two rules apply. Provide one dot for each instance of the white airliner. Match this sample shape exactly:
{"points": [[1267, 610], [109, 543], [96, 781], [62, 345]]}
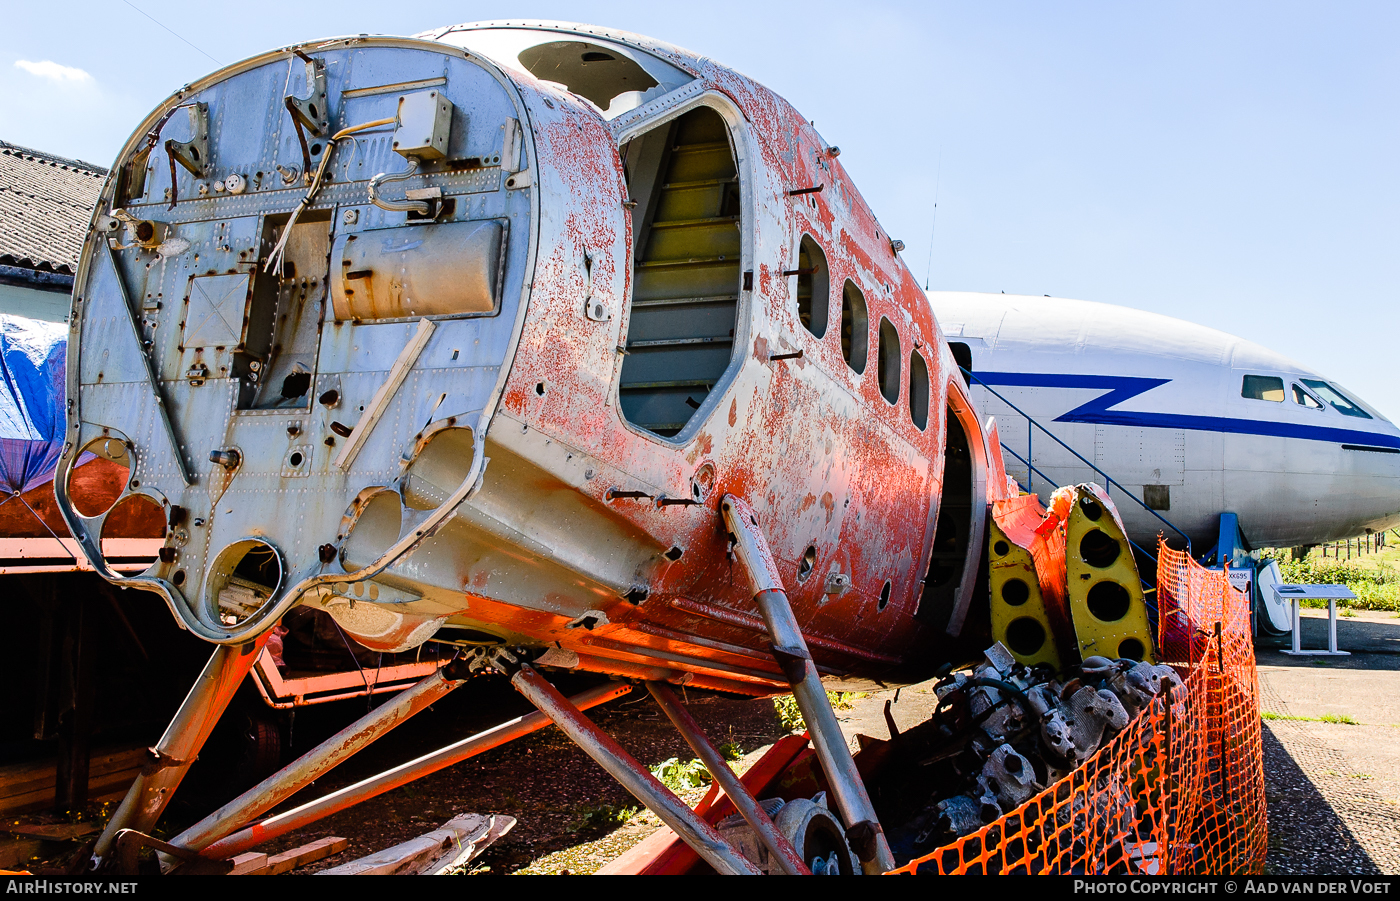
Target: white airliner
{"points": [[1190, 420]]}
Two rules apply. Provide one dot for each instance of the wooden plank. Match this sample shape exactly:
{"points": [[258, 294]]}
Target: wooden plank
{"points": [[246, 864], [54, 832], [380, 402], [259, 864], [30, 786], [310, 853], [458, 841]]}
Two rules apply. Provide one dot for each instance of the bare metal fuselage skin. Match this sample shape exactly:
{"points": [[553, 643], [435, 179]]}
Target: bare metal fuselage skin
{"points": [[473, 473]]}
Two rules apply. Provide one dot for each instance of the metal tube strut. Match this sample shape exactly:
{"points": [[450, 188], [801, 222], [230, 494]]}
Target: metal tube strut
{"points": [[308, 813], [634, 777], [170, 759], [316, 762], [787, 857], [847, 789]]}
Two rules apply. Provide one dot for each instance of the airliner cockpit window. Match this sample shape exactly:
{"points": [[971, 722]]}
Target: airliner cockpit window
{"points": [[1304, 399], [1340, 402], [613, 77], [1263, 387]]}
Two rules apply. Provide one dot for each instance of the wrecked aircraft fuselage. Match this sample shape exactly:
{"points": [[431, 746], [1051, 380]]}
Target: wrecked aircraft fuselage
{"points": [[465, 337]]}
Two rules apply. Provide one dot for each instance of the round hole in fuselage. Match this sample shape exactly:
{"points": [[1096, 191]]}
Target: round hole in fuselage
{"points": [[1091, 508], [243, 579], [134, 516], [1001, 548], [1025, 636], [1097, 549], [1015, 592], [1108, 601], [884, 596], [95, 485], [1131, 648]]}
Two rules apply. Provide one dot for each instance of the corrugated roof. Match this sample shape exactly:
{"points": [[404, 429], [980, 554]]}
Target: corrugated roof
{"points": [[46, 204]]}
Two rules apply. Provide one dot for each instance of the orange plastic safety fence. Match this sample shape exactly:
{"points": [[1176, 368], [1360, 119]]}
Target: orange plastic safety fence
{"points": [[1180, 791]]}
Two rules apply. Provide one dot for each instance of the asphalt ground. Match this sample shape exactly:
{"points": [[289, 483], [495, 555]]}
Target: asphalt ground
{"points": [[1333, 787]]}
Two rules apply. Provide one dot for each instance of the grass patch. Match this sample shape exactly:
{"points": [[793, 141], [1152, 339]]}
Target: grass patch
{"points": [[1373, 578], [790, 717], [1341, 719], [601, 817]]}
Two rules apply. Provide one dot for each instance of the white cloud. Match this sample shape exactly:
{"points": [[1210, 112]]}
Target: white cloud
{"points": [[54, 72]]}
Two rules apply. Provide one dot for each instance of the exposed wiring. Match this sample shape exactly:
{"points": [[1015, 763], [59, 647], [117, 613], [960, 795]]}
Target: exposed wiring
{"points": [[274, 260]]}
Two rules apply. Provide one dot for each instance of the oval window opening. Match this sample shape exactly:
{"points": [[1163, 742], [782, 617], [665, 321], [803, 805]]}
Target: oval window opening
{"points": [[808, 563], [888, 360], [918, 390], [243, 579], [855, 327], [135, 516], [374, 531], [812, 287], [439, 469], [95, 485]]}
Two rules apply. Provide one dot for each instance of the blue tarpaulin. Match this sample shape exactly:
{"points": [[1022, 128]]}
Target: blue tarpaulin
{"points": [[33, 355]]}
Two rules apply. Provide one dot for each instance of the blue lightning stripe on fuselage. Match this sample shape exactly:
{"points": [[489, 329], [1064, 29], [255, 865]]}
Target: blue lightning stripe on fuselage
{"points": [[1120, 388]]}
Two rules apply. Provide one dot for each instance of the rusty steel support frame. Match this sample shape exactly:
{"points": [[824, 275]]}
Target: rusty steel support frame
{"points": [[318, 761], [788, 859], [637, 779], [291, 820], [847, 789], [170, 759]]}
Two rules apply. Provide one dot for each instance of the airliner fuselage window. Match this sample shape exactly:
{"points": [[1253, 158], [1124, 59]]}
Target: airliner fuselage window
{"points": [[1304, 399], [1339, 401], [1263, 387]]}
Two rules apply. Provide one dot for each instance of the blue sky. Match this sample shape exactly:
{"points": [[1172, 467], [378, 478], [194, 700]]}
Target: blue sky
{"points": [[1230, 164]]}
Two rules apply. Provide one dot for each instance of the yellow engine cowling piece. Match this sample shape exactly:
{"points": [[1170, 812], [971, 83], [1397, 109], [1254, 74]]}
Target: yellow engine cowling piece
{"points": [[1106, 600], [1019, 618]]}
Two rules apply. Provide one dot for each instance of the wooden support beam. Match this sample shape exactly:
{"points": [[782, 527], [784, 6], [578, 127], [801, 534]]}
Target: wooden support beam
{"points": [[458, 841]]}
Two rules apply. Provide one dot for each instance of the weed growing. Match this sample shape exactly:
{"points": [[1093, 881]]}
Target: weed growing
{"points": [[790, 717]]}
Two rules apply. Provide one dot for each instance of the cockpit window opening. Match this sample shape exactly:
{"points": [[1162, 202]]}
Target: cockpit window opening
{"points": [[613, 77], [813, 291], [1263, 387], [687, 226], [1339, 401], [887, 361], [1304, 399], [855, 327], [918, 390]]}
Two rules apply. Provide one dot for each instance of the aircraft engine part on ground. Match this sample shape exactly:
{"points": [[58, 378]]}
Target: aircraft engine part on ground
{"points": [[1007, 731]]}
